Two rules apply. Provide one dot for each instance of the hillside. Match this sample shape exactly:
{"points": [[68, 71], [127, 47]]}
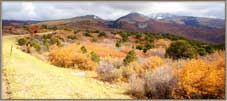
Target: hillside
{"points": [[27, 77], [135, 22]]}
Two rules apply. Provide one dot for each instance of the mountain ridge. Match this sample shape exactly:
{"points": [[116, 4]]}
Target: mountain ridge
{"points": [[189, 27]]}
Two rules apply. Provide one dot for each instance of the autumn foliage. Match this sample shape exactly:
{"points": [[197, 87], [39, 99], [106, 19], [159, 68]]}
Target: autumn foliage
{"points": [[71, 57], [202, 78]]}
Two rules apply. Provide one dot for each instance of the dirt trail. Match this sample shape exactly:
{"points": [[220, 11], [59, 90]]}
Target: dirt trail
{"points": [[31, 78]]}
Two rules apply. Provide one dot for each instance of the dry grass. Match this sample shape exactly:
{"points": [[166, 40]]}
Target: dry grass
{"points": [[31, 78]]}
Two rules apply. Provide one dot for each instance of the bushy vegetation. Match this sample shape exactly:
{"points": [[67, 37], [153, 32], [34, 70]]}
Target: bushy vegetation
{"points": [[180, 49], [87, 34], [44, 26], [73, 58], [35, 44], [118, 44], [83, 49], [94, 39], [131, 56], [54, 40], [199, 78], [94, 57], [183, 75], [72, 37], [108, 70], [22, 41], [153, 63], [102, 34]]}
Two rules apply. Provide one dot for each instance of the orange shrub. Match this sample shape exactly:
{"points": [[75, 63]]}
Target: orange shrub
{"points": [[70, 56], [202, 78], [104, 51]]}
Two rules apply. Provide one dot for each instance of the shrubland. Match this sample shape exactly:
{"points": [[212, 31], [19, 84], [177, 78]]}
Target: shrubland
{"points": [[171, 67]]}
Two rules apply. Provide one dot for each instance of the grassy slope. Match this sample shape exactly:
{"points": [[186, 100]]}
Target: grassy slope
{"points": [[30, 77]]}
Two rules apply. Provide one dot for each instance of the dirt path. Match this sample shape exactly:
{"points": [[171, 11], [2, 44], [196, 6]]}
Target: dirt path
{"points": [[31, 78]]}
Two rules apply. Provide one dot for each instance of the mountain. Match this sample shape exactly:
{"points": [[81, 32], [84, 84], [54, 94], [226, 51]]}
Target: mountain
{"points": [[162, 16], [138, 22], [17, 22], [189, 27], [134, 17], [189, 20], [132, 21]]}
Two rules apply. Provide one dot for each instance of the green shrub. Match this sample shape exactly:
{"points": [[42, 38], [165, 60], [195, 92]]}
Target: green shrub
{"points": [[201, 51], [94, 40], [118, 44], [46, 43], [36, 45], [94, 57], [209, 49], [124, 37], [53, 28], [67, 29], [72, 37], [140, 47], [22, 41], [148, 46], [138, 35], [131, 56], [102, 34], [180, 49], [87, 34], [96, 31], [83, 49], [76, 31], [47, 36], [55, 41], [44, 26]]}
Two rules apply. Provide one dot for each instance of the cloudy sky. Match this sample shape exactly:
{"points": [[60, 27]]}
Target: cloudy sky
{"points": [[40, 10]]}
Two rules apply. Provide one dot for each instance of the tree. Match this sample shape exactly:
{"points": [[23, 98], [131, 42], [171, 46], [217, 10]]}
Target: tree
{"points": [[140, 47], [118, 44], [94, 57], [102, 34], [44, 26], [209, 49], [202, 51], [83, 49], [22, 41], [131, 56], [180, 49]]}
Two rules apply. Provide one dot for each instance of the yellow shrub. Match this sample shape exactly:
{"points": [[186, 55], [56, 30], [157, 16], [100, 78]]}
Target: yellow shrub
{"points": [[70, 56], [201, 78], [153, 62], [132, 68], [164, 43]]}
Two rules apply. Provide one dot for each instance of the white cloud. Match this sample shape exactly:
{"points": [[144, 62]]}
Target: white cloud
{"points": [[41, 10]]}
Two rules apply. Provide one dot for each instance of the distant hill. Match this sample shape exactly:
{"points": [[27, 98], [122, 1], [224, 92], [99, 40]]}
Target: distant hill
{"points": [[189, 20], [203, 29], [17, 22]]}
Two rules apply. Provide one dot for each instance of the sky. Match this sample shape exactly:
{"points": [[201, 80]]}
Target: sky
{"points": [[43, 10]]}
